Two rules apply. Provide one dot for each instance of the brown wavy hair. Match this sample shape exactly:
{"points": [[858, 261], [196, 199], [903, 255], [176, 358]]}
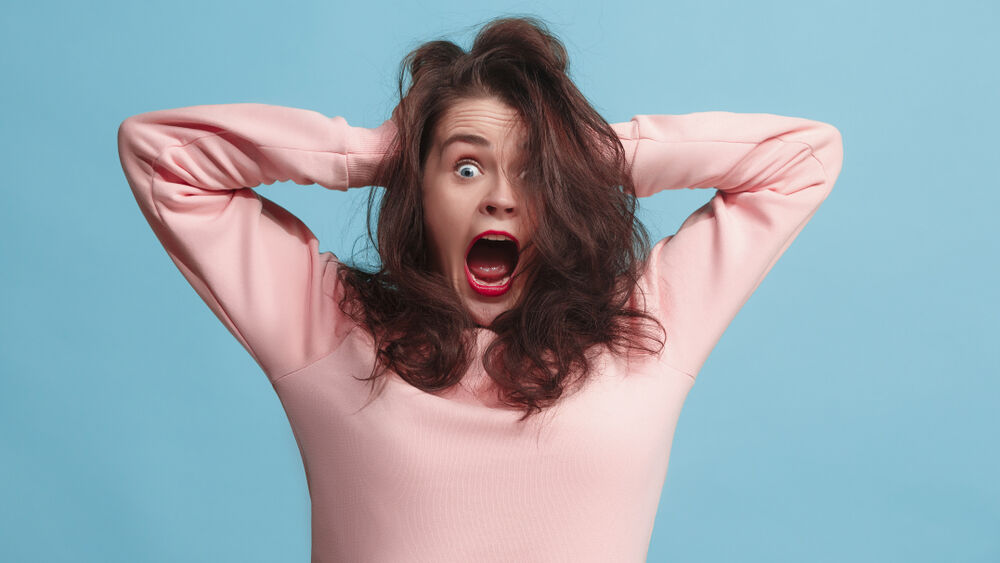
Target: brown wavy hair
{"points": [[590, 246]]}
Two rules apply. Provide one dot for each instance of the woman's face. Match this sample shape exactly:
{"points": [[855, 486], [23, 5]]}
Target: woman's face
{"points": [[470, 188]]}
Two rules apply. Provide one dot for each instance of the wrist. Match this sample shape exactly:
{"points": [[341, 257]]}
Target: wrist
{"points": [[367, 148]]}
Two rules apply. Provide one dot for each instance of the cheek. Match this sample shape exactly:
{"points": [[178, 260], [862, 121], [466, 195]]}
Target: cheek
{"points": [[433, 218], [439, 228], [446, 215]]}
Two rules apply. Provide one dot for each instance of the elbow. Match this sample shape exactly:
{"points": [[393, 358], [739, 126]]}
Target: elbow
{"points": [[127, 135], [836, 155], [828, 148]]}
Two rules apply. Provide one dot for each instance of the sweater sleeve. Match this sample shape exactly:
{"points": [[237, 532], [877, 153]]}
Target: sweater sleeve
{"points": [[771, 173], [255, 265]]}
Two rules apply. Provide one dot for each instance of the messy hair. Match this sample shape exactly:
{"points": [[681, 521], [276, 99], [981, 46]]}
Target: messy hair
{"points": [[590, 246]]}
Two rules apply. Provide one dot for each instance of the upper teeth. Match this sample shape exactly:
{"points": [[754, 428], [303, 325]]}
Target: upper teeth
{"points": [[496, 237]]}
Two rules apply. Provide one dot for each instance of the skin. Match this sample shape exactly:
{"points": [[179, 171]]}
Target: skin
{"points": [[468, 189]]}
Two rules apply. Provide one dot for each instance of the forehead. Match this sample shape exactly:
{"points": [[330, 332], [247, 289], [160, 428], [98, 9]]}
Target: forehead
{"points": [[483, 122]]}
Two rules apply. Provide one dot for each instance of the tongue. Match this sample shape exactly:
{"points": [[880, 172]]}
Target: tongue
{"points": [[489, 260]]}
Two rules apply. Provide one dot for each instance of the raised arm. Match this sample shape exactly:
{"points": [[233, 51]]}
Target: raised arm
{"points": [[772, 172], [256, 265]]}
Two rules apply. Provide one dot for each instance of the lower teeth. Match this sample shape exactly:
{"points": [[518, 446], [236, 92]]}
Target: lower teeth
{"points": [[493, 284]]}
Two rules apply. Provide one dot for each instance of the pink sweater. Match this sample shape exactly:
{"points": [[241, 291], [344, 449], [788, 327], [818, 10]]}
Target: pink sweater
{"points": [[450, 476]]}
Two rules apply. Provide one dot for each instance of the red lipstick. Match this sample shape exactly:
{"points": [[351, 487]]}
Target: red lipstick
{"points": [[480, 287]]}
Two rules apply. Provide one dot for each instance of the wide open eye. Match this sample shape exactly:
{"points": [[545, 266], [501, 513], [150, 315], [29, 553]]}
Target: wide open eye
{"points": [[466, 168]]}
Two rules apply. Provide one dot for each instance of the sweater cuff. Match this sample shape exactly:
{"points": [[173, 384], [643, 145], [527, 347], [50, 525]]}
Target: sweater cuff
{"points": [[368, 147]]}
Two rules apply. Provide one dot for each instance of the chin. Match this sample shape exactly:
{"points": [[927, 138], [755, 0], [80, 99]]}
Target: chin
{"points": [[484, 310], [485, 313]]}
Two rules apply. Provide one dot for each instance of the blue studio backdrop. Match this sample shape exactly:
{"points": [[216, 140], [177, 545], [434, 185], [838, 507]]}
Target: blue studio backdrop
{"points": [[847, 414]]}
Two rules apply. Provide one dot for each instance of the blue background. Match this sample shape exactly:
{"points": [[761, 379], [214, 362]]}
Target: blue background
{"points": [[849, 413]]}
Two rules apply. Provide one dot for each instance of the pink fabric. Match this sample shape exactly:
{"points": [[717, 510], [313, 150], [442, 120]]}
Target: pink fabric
{"points": [[450, 476]]}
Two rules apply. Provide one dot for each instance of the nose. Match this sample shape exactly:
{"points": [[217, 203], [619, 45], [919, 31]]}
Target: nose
{"points": [[500, 200]]}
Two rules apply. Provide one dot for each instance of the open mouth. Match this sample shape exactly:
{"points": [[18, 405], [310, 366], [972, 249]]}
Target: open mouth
{"points": [[490, 262]]}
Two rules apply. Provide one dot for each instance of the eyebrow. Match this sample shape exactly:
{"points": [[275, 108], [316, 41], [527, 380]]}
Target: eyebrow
{"points": [[466, 138], [472, 139]]}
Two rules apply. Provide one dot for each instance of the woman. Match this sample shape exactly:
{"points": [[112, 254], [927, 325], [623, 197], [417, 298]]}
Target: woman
{"points": [[563, 310]]}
